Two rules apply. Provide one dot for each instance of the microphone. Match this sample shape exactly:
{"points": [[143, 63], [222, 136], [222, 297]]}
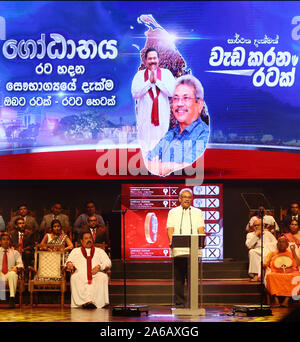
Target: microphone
{"points": [[261, 213], [180, 230], [190, 209]]}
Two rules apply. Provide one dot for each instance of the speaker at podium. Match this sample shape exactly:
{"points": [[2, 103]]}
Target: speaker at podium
{"points": [[190, 247]]}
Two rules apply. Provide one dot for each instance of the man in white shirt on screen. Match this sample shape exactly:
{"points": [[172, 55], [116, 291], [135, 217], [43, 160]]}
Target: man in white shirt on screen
{"points": [[151, 88], [183, 220]]}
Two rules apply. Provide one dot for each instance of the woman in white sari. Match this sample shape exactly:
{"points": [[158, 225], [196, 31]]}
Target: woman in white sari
{"points": [[57, 238]]}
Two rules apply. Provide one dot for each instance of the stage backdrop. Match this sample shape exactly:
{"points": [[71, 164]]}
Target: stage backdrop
{"points": [[146, 210], [66, 70]]}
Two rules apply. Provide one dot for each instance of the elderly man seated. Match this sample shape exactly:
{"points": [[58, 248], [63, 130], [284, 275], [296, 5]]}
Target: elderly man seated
{"points": [[10, 261], [269, 221], [253, 242], [281, 266], [89, 281]]}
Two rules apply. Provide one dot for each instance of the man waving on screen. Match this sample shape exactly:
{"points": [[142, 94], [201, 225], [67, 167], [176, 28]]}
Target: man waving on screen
{"points": [[151, 88]]}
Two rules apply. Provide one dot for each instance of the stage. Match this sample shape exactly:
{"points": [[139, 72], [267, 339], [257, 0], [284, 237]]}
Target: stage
{"points": [[156, 314], [225, 286]]}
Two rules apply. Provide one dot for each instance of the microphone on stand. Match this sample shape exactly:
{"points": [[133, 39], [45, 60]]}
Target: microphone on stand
{"points": [[180, 230], [261, 213], [190, 209]]}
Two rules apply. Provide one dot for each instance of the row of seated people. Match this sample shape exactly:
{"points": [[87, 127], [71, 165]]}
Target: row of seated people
{"points": [[81, 222], [88, 264], [24, 239], [280, 260], [292, 213]]}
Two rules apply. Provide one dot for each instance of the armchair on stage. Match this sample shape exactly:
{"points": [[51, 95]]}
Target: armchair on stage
{"points": [[48, 274], [191, 246]]}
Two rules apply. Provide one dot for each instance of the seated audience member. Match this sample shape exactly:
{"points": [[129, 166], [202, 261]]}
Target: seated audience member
{"points": [[89, 281], [81, 220], [22, 240], [30, 221], [292, 214], [268, 220], [57, 238], [56, 214], [281, 267], [2, 224], [293, 236], [99, 233], [10, 261], [253, 242]]}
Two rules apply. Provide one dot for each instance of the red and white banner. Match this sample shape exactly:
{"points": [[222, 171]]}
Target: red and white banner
{"points": [[146, 215]]}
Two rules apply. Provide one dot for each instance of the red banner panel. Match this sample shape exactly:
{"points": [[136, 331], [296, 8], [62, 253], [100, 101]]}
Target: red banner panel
{"points": [[146, 216]]}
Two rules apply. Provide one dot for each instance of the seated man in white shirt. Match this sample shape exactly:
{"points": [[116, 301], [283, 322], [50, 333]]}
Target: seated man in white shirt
{"points": [[269, 222], [253, 243], [89, 281], [10, 261]]}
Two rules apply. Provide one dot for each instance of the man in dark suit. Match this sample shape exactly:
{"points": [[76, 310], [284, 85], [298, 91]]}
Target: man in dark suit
{"points": [[30, 222], [99, 233], [292, 214], [22, 240], [82, 220]]}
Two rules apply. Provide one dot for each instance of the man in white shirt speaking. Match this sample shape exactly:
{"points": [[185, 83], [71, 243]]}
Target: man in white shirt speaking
{"points": [[183, 220]]}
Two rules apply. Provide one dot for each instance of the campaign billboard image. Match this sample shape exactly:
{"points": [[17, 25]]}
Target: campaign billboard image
{"points": [[80, 76]]}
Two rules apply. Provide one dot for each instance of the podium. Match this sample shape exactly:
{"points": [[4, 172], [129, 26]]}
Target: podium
{"points": [[189, 245]]}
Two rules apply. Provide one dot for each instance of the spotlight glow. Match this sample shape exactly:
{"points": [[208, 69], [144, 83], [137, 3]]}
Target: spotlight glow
{"points": [[172, 37]]}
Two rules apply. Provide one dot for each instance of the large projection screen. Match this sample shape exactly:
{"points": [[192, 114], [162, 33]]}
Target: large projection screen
{"points": [[67, 72]]}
